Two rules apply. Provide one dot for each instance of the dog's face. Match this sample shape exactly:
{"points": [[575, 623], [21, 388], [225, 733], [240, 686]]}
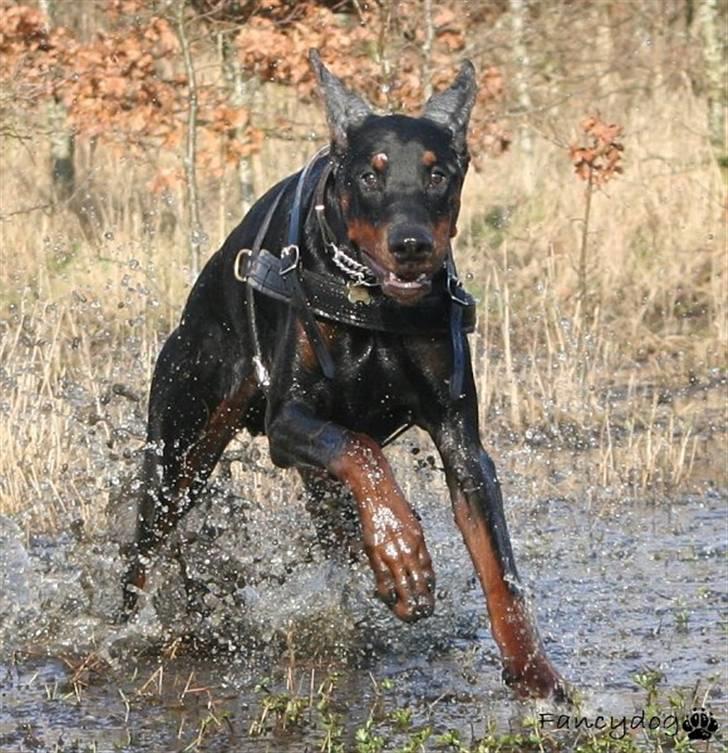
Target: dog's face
{"points": [[398, 180], [399, 189]]}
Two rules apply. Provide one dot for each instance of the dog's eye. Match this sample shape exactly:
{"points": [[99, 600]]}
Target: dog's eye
{"points": [[437, 178], [369, 180]]}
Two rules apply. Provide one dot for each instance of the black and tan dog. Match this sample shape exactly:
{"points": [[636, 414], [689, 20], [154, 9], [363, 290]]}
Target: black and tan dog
{"points": [[331, 318]]}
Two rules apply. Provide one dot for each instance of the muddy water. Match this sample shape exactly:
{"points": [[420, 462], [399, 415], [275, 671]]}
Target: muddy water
{"points": [[617, 590]]}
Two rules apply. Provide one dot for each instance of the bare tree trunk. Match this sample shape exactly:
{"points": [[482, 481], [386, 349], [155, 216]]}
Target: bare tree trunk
{"points": [[715, 69], [196, 234], [241, 95], [519, 21], [63, 173], [383, 46], [427, 50]]}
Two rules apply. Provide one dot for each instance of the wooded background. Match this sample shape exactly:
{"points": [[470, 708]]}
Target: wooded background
{"points": [[186, 93], [134, 135]]}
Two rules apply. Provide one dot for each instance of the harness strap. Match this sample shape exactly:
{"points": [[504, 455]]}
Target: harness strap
{"points": [[290, 258], [457, 305], [261, 372]]}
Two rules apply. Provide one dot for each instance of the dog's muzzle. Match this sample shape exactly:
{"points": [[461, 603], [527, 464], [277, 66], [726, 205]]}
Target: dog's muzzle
{"points": [[405, 286]]}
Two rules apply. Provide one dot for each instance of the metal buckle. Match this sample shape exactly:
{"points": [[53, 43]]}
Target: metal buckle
{"points": [[453, 286], [292, 249], [237, 264]]}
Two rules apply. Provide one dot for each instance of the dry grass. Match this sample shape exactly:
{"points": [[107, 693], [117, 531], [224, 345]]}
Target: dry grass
{"points": [[621, 392]]}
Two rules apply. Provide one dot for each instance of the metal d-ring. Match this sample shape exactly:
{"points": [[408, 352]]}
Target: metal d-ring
{"points": [[238, 264], [292, 249]]}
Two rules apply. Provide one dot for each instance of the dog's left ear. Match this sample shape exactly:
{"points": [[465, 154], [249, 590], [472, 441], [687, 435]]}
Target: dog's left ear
{"points": [[451, 108], [344, 109]]}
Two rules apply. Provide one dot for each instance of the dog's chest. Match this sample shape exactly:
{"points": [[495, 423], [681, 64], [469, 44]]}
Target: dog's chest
{"points": [[377, 385]]}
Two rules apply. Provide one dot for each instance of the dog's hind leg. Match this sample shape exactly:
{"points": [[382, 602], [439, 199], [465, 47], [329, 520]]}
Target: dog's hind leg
{"points": [[196, 407]]}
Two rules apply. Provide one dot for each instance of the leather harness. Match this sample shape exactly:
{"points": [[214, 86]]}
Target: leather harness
{"points": [[447, 309]]}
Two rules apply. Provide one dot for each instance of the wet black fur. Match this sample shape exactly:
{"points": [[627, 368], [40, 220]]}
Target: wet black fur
{"points": [[380, 380]]}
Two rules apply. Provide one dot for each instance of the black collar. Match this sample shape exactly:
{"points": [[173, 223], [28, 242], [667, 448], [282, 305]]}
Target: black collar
{"points": [[330, 298]]}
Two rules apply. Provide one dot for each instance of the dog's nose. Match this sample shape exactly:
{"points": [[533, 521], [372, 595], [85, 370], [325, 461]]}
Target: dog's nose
{"points": [[410, 245]]}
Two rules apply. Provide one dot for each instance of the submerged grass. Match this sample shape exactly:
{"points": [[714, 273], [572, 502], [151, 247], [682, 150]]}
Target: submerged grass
{"points": [[312, 710], [393, 726]]}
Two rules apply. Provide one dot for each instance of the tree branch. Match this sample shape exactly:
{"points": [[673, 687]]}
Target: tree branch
{"points": [[196, 234]]}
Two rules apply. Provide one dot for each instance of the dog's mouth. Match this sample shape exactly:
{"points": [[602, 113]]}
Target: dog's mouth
{"points": [[405, 287], [406, 291]]}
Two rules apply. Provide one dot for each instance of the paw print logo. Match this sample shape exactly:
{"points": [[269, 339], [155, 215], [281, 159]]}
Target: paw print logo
{"points": [[700, 725]]}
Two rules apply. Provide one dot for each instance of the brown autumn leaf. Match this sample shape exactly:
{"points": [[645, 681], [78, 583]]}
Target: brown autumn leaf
{"points": [[126, 85], [599, 160], [443, 16]]}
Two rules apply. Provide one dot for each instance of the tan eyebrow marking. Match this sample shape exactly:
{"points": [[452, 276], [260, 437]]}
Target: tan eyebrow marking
{"points": [[380, 161], [429, 158]]}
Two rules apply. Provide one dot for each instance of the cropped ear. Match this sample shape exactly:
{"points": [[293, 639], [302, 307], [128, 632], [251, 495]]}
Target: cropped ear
{"points": [[451, 108], [344, 109]]}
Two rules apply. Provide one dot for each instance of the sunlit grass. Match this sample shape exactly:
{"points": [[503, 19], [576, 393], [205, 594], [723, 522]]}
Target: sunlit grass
{"points": [[623, 391]]}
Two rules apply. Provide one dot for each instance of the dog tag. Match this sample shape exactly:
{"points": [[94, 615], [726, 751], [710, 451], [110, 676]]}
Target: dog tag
{"points": [[358, 293]]}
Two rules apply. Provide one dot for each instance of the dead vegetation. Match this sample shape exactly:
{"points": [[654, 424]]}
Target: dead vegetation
{"points": [[600, 349]]}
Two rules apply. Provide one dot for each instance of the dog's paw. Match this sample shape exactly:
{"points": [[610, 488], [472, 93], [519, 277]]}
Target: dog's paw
{"points": [[538, 679], [404, 576]]}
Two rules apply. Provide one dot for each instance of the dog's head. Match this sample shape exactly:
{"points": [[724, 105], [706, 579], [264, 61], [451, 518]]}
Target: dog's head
{"points": [[398, 179]]}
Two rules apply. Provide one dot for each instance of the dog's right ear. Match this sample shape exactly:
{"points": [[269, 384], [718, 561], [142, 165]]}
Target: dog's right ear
{"points": [[344, 109]]}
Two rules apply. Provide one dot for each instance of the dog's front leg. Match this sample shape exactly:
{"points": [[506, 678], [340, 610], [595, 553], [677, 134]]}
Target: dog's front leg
{"points": [[393, 538], [478, 508]]}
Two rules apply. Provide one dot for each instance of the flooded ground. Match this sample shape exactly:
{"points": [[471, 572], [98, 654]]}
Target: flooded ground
{"points": [[599, 357], [623, 593]]}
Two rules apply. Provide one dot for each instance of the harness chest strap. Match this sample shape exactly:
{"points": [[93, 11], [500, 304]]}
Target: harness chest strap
{"points": [[290, 256], [261, 372]]}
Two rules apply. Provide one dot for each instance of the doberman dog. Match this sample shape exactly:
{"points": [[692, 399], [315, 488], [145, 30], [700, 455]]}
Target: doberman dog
{"points": [[330, 318]]}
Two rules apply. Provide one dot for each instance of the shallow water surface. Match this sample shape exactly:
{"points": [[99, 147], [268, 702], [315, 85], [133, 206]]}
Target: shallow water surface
{"points": [[617, 591]]}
